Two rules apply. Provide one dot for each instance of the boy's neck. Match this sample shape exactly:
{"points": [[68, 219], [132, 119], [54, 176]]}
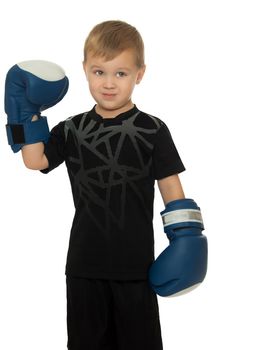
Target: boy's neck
{"points": [[109, 114]]}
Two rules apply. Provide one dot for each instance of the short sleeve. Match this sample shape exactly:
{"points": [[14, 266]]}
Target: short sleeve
{"points": [[166, 159], [54, 149]]}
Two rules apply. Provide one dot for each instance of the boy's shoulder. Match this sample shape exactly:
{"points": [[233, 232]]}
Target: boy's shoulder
{"points": [[149, 117], [73, 122], [75, 118]]}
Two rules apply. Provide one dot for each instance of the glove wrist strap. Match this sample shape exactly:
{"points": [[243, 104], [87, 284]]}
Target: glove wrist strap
{"points": [[182, 213], [182, 216], [27, 133]]}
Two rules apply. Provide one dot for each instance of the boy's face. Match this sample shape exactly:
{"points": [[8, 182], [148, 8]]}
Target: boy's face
{"points": [[111, 83]]}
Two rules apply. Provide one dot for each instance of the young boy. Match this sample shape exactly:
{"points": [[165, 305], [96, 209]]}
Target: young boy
{"points": [[113, 155]]}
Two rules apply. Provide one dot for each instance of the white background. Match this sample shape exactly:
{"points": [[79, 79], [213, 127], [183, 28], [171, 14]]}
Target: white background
{"points": [[200, 80]]}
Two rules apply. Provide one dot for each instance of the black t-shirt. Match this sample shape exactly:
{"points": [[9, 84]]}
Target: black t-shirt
{"points": [[112, 166]]}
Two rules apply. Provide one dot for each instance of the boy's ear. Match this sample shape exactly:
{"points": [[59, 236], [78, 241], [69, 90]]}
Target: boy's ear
{"points": [[140, 74]]}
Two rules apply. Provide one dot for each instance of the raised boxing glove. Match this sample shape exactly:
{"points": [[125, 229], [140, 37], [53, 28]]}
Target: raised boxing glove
{"points": [[30, 88], [183, 264]]}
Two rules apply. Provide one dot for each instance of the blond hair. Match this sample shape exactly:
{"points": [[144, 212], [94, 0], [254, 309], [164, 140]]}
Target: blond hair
{"points": [[109, 39]]}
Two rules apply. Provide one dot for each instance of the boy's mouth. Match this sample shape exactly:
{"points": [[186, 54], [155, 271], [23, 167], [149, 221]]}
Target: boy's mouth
{"points": [[108, 95]]}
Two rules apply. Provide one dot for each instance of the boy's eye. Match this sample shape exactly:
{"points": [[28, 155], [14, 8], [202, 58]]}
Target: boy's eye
{"points": [[98, 72], [121, 74]]}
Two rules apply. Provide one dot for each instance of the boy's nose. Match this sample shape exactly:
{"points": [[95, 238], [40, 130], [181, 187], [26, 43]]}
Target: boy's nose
{"points": [[109, 83]]}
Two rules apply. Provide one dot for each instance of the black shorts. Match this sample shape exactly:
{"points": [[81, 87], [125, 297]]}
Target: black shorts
{"points": [[112, 315]]}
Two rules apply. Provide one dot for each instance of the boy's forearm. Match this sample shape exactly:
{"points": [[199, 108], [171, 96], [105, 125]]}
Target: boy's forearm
{"points": [[171, 188], [34, 157]]}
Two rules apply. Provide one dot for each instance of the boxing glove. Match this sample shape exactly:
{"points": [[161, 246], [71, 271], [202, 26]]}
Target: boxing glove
{"points": [[30, 88], [183, 264]]}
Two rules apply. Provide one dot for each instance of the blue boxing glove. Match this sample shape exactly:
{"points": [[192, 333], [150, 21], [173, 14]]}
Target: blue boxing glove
{"points": [[30, 88], [183, 264]]}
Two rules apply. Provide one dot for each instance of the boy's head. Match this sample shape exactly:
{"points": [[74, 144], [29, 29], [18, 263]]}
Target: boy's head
{"points": [[113, 64], [109, 39]]}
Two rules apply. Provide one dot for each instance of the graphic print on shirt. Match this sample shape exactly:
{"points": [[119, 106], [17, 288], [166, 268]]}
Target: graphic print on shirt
{"points": [[109, 160]]}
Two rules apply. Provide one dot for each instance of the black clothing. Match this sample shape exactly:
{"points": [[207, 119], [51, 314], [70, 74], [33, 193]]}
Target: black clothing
{"points": [[112, 165], [112, 315]]}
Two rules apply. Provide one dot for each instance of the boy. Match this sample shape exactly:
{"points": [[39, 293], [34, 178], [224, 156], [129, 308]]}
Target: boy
{"points": [[113, 155]]}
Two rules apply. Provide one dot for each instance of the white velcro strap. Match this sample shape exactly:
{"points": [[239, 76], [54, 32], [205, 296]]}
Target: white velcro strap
{"points": [[182, 215]]}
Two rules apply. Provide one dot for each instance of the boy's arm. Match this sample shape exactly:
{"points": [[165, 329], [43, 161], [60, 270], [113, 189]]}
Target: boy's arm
{"points": [[170, 188], [34, 157]]}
